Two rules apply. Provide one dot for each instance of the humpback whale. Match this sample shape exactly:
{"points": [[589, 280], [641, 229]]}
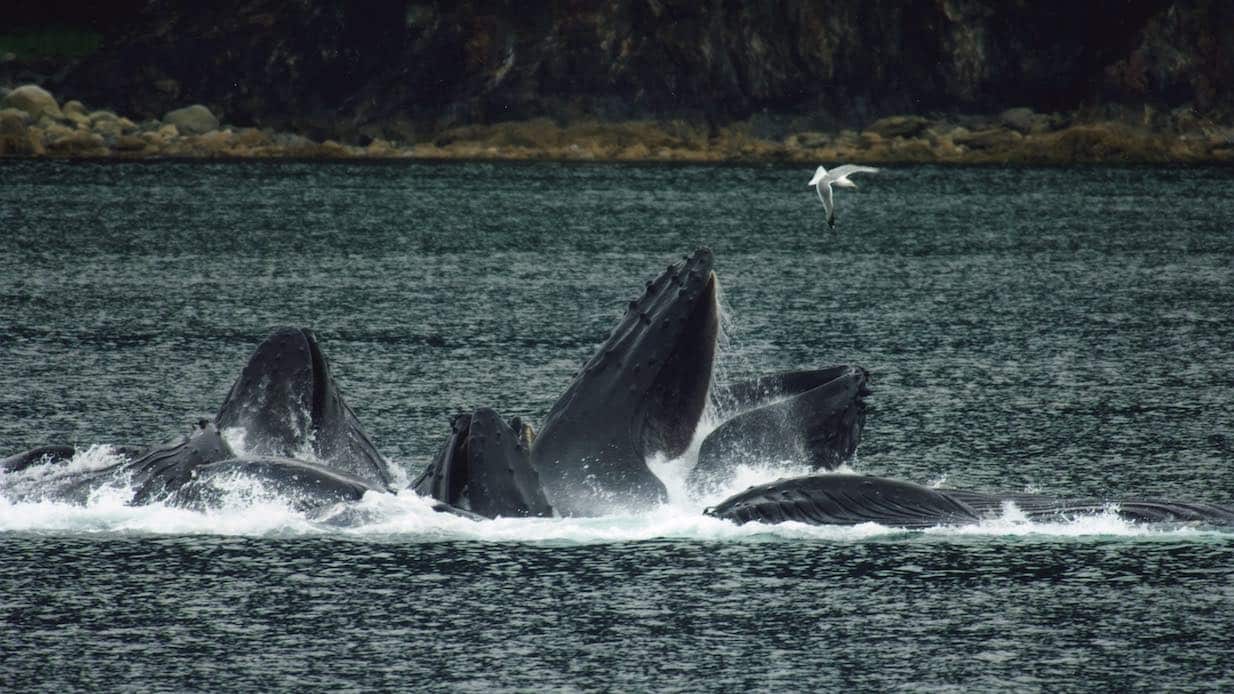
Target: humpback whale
{"points": [[158, 472], [812, 417], [485, 467], [285, 404], [42, 455], [307, 486], [835, 499], [288, 405], [642, 393]]}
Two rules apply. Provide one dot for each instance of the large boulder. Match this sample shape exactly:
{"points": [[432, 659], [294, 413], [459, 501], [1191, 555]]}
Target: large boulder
{"points": [[192, 120], [75, 112], [76, 143], [34, 100], [1024, 120], [108, 124], [899, 126], [129, 143], [14, 136], [25, 118], [990, 139]]}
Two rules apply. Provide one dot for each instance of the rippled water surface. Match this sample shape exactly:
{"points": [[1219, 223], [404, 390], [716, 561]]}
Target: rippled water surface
{"points": [[1068, 331]]}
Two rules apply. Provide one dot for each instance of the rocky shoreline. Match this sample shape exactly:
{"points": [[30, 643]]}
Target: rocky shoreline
{"points": [[34, 124]]}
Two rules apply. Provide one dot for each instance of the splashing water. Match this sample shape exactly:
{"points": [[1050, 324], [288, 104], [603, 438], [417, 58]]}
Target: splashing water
{"points": [[247, 508], [728, 361]]}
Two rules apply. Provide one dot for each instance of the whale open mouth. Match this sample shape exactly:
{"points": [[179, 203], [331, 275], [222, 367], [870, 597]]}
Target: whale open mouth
{"points": [[484, 467], [288, 405], [445, 479], [675, 401], [641, 393]]}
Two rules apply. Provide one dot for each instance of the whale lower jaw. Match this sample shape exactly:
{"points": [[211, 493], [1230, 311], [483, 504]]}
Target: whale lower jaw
{"points": [[834, 499]]}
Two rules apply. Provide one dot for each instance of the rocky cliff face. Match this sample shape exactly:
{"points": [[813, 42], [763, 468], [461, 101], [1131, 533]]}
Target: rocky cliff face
{"points": [[405, 70]]}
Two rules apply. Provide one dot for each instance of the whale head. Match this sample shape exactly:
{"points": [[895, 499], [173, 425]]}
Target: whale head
{"points": [[642, 393], [484, 468], [287, 404]]}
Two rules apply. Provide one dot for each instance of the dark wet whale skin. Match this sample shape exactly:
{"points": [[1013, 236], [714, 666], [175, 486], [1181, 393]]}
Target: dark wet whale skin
{"points": [[642, 393], [810, 417], [286, 400], [485, 467], [854, 499]]}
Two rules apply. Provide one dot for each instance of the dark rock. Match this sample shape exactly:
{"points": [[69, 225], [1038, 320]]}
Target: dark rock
{"points": [[1182, 55], [14, 135], [1020, 119], [77, 143], [987, 139], [899, 126]]}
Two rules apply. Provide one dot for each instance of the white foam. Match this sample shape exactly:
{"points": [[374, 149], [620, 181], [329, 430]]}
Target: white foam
{"points": [[93, 458], [1014, 523], [236, 438], [246, 507], [411, 516]]}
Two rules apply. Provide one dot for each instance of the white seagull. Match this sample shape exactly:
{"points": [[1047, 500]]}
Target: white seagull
{"points": [[822, 182]]}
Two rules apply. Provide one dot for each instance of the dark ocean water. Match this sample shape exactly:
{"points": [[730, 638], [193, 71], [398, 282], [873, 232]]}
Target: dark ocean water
{"points": [[1069, 331]]}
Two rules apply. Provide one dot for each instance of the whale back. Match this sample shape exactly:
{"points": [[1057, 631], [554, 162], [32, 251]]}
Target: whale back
{"points": [[833, 499]]}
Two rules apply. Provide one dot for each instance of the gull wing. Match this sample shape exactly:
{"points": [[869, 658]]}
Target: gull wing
{"points": [[841, 172], [824, 194]]}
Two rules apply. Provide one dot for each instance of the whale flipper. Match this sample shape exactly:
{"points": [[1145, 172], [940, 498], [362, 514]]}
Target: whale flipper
{"points": [[820, 426], [642, 393], [288, 405], [485, 467]]}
